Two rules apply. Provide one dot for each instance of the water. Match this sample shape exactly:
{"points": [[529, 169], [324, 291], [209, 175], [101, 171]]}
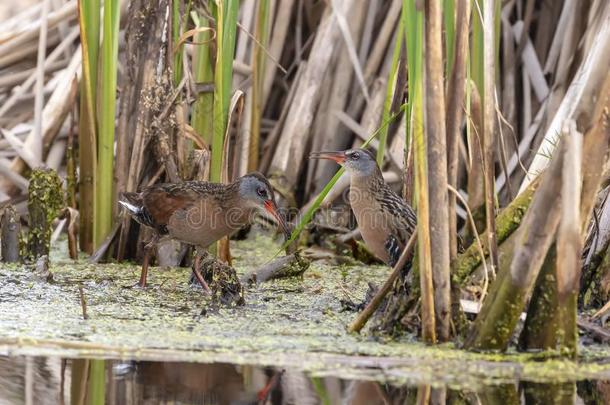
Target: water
{"points": [[52, 380]]}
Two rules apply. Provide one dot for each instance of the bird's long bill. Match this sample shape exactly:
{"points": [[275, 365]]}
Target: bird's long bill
{"points": [[271, 208], [338, 157]]}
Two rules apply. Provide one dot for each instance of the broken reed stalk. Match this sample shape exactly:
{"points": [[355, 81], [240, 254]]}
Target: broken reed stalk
{"points": [[363, 317], [496, 322], [595, 145], [45, 199], [551, 319], [72, 233], [455, 100], [10, 228], [143, 45], [489, 114], [414, 38], [437, 167]]}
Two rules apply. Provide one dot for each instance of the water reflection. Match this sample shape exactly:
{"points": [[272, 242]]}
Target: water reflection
{"points": [[37, 380]]}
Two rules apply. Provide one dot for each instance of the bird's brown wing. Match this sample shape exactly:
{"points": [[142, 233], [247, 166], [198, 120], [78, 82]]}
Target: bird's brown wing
{"points": [[163, 200]]}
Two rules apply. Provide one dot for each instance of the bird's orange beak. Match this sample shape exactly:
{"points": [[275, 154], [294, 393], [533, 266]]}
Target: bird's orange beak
{"points": [[271, 208], [338, 157]]}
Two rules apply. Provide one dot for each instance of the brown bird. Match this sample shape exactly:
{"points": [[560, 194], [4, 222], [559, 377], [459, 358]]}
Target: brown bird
{"points": [[198, 212], [385, 220]]}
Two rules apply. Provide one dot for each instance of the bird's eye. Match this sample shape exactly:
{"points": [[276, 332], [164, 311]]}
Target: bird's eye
{"points": [[355, 156], [261, 192]]}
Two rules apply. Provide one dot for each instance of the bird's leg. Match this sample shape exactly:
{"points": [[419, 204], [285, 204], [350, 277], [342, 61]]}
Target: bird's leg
{"points": [[147, 249], [197, 273]]}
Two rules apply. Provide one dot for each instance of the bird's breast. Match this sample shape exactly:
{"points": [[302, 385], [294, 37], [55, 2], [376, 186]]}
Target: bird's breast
{"points": [[373, 221]]}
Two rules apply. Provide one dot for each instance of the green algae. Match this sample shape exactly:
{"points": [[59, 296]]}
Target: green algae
{"points": [[294, 322], [45, 199]]}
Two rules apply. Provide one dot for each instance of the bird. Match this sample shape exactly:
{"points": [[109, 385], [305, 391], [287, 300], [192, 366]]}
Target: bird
{"points": [[385, 220], [200, 213]]}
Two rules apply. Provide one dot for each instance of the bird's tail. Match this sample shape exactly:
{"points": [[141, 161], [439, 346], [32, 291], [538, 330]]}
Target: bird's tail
{"points": [[132, 203]]}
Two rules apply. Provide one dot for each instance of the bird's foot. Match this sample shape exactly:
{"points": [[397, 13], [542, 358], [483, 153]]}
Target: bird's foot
{"points": [[219, 280]]}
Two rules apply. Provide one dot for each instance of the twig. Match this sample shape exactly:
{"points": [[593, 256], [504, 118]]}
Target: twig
{"points": [[267, 52], [83, 303], [9, 235], [598, 333], [364, 316]]}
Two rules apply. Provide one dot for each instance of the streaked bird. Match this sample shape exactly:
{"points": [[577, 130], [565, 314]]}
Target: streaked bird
{"points": [[385, 220]]}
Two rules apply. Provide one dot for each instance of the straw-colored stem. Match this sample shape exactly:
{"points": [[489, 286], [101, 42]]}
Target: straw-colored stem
{"points": [[437, 167], [489, 114]]}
